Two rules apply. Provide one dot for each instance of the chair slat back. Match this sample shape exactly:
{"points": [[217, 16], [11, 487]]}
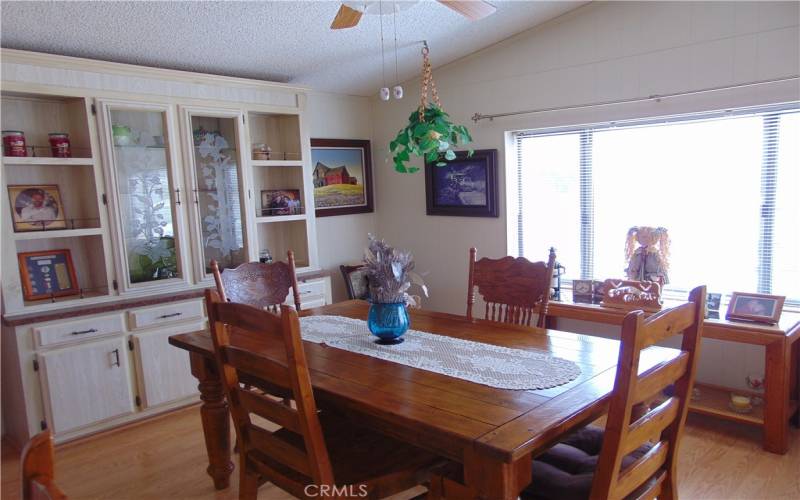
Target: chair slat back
{"points": [[305, 461], [514, 289], [257, 284], [356, 282], [37, 469], [655, 471]]}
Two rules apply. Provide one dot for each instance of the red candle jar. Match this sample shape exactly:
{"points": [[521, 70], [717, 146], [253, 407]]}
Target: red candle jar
{"points": [[14, 143], [59, 145]]}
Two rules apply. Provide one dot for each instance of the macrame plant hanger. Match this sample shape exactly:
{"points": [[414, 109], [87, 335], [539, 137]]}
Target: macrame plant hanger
{"points": [[427, 80]]}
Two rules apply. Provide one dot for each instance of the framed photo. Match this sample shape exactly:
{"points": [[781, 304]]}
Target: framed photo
{"points": [[342, 176], [280, 202], [755, 307], [713, 300], [465, 186], [47, 274], [36, 207]]}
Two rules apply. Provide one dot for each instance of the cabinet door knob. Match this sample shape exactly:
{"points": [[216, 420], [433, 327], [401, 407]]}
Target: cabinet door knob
{"points": [[116, 362], [81, 332]]}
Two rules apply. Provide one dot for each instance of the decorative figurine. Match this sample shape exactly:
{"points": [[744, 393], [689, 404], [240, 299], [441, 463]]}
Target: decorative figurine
{"points": [[650, 261]]}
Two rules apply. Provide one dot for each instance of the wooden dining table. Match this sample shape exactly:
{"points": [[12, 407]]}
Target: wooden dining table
{"points": [[493, 433]]}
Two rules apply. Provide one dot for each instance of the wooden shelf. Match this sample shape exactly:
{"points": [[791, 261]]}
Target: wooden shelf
{"points": [[277, 163], [58, 233], [44, 160], [280, 218], [714, 401]]}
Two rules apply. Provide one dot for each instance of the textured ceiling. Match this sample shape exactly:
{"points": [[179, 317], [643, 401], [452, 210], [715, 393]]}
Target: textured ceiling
{"points": [[285, 41]]}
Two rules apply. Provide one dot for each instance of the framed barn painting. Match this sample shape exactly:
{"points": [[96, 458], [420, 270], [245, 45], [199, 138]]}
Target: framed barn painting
{"points": [[465, 186], [342, 176]]}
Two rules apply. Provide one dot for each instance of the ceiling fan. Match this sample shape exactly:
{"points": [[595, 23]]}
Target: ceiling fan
{"points": [[350, 12]]}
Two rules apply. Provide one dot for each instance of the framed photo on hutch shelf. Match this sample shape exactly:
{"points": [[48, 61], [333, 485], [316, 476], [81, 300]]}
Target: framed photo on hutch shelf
{"points": [[464, 187], [36, 207], [755, 307], [280, 202], [47, 274]]}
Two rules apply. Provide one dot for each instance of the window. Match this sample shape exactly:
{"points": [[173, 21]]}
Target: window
{"points": [[726, 186]]}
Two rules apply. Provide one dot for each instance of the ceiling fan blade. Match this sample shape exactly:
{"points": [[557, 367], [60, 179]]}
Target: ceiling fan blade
{"points": [[347, 17], [472, 9]]}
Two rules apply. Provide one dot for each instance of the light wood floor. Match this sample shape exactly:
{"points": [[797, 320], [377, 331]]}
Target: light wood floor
{"points": [[165, 458]]}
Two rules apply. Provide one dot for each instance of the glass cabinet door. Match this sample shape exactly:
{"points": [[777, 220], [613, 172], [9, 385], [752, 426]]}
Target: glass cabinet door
{"points": [[146, 194], [216, 183]]}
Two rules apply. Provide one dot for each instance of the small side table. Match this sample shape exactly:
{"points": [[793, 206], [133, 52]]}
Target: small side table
{"points": [[781, 384]]}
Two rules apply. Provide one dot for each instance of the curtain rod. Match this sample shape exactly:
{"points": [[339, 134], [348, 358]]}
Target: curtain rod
{"points": [[655, 97]]}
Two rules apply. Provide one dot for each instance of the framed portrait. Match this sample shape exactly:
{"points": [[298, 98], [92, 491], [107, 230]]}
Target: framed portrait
{"points": [[342, 176], [465, 186], [755, 307], [280, 202], [47, 274], [36, 207]]}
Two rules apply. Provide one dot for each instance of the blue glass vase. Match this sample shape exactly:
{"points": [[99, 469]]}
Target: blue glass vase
{"points": [[388, 322]]}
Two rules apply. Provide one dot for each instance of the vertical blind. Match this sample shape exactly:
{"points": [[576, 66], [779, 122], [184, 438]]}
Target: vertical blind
{"points": [[726, 186]]}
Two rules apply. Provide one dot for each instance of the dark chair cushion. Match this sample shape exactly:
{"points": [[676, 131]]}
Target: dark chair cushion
{"points": [[566, 471]]}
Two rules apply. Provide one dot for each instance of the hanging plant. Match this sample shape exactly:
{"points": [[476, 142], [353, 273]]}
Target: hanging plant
{"points": [[429, 134]]}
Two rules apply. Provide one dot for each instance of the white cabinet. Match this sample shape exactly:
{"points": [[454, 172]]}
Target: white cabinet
{"points": [[163, 370], [86, 384]]}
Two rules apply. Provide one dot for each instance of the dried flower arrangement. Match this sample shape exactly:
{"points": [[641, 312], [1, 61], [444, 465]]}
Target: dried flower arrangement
{"points": [[391, 273]]}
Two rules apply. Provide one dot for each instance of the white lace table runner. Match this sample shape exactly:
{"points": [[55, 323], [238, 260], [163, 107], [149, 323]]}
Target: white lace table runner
{"points": [[487, 364]]}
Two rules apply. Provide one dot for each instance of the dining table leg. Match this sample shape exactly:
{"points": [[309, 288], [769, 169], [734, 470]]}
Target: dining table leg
{"points": [[216, 420], [491, 478]]}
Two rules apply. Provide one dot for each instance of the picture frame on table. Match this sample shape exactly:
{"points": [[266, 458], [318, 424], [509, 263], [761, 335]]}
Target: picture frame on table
{"points": [[342, 176], [757, 307], [464, 187], [47, 274], [36, 207]]}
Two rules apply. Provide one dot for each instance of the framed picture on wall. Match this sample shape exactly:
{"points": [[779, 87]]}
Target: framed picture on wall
{"points": [[755, 307], [47, 274], [36, 207], [342, 176], [465, 186]]}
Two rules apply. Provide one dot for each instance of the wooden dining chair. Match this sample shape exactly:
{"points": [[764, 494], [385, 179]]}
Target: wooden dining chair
{"points": [[311, 452], [355, 280], [636, 456], [514, 289], [37, 469], [257, 284]]}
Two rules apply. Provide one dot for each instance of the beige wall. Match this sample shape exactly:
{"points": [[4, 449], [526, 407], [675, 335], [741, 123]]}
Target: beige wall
{"points": [[340, 239], [600, 52]]}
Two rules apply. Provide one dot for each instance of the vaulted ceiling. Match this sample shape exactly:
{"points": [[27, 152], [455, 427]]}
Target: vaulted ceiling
{"points": [[285, 41]]}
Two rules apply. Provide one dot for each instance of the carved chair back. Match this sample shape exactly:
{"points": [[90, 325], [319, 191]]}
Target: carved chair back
{"points": [[37, 469], [514, 289], [257, 284], [654, 474], [259, 449], [356, 282]]}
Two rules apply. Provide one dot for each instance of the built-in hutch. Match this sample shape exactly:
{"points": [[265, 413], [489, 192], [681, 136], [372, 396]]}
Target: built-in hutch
{"points": [[165, 172]]}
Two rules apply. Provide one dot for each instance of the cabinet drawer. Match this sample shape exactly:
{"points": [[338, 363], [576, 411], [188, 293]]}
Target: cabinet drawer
{"points": [[75, 331], [315, 301], [311, 288], [166, 314]]}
